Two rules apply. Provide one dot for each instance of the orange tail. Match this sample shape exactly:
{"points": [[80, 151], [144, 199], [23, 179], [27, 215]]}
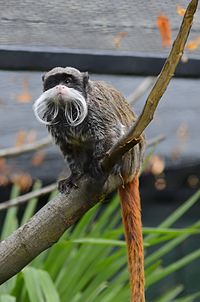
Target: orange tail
{"points": [[131, 215]]}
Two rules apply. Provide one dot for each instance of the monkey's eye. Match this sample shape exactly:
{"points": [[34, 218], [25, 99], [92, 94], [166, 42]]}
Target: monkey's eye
{"points": [[68, 80]]}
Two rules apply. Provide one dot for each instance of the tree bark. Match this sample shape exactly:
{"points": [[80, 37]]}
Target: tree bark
{"points": [[47, 226]]}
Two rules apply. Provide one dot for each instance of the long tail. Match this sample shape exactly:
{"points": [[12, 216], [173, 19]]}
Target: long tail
{"points": [[131, 215]]}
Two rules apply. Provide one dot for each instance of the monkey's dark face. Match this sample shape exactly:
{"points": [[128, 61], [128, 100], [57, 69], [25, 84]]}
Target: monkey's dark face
{"points": [[64, 94]]}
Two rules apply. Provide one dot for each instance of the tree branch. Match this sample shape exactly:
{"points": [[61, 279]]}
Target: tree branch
{"points": [[47, 225], [133, 136], [154, 141], [140, 90], [15, 151], [24, 198], [45, 190]]}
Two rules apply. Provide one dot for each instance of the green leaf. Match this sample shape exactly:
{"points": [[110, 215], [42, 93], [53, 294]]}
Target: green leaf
{"points": [[178, 213], [164, 250], [174, 232], [7, 287], [168, 246], [19, 290], [97, 241], [32, 203], [31, 279], [104, 270], [155, 240], [39, 286], [7, 298], [157, 276], [189, 298], [88, 255], [89, 262], [49, 291], [10, 222], [152, 268], [181, 210], [171, 294]]}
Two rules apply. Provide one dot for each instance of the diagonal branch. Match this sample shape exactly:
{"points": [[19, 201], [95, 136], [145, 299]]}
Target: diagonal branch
{"points": [[47, 225], [133, 136]]}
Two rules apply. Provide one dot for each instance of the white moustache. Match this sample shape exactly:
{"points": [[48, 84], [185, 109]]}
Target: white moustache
{"points": [[47, 105]]}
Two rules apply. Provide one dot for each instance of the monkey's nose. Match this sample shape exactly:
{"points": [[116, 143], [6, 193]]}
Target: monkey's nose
{"points": [[60, 88]]}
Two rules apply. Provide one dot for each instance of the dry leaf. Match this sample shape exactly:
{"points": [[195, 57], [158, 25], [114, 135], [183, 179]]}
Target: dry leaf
{"points": [[180, 10], [38, 158], [25, 96], [22, 180], [193, 44], [193, 181], [20, 138], [156, 165], [119, 37], [2, 102], [3, 165], [160, 183], [182, 132], [165, 30], [31, 136], [176, 153], [3, 180]]}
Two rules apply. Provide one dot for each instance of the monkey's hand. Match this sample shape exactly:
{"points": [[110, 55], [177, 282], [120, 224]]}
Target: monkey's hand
{"points": [[66, 184]]}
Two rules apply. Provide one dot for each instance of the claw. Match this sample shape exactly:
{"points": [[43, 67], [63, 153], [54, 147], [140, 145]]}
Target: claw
{"points": [[65, 185]]}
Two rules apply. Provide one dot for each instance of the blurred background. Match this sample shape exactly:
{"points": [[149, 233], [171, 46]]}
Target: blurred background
{"points": [[124, 43]]}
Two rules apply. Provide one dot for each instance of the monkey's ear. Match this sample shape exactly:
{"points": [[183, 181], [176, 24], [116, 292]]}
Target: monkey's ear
{"points": [[43, 77], [85, 78]]}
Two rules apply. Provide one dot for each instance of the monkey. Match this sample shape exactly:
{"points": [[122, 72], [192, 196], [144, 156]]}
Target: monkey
{"points": [[85, 119]]}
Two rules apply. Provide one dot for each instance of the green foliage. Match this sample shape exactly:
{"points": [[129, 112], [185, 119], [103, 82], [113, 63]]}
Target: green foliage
{"points": [[89, 262]]}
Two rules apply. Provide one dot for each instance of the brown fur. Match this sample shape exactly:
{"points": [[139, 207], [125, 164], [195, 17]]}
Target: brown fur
{"points": [[131, 215]]}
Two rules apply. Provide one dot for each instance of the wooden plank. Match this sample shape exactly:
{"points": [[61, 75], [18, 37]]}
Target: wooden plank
{"points": [[90, 24]]}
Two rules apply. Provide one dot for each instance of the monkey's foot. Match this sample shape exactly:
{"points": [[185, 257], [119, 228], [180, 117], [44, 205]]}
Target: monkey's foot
{"points": [[65, 185]]}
